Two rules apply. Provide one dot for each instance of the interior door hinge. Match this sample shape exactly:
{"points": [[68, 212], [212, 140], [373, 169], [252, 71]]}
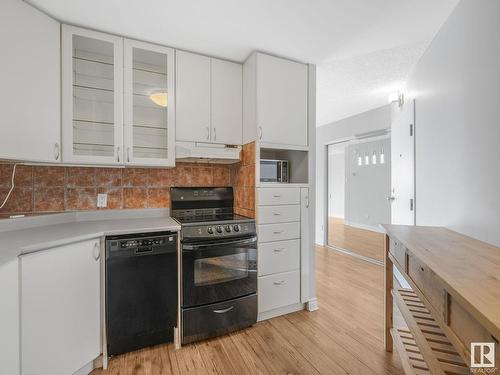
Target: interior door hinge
{"points": [[411, 130], [411, 204]]}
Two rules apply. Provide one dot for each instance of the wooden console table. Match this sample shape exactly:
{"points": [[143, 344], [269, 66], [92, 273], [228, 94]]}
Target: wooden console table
{"points": [[454, 298]]}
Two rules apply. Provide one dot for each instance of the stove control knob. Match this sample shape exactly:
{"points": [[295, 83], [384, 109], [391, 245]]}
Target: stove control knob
{"points": [[228, 228], [210, 230], [236, 227], [219, 228]]}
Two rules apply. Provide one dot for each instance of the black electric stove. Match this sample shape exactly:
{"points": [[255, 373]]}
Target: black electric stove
{"points": [[219, 263]]}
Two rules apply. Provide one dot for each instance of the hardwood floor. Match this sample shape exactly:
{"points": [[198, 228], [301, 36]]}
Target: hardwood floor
{"points": [[345, 336], [360, 241]]}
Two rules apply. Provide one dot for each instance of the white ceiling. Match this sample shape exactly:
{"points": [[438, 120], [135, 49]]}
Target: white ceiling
{"points": [[363, 48]]}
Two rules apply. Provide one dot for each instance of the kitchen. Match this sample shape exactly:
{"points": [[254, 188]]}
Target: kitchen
{"points": [[164, 193], [132, 205]]}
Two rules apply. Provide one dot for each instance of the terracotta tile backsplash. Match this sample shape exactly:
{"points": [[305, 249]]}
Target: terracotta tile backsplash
{"points": [[50, 189]]}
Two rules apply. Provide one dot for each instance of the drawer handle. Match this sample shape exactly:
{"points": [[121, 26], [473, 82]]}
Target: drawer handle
{"points": [[277, 213], [279, 250], [278, 232], [224, 310], [97, 252], [277, 195], [279, 282]]}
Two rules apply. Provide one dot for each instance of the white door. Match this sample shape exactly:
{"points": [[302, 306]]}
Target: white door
{"points": [[92, 97], [30, 95], [403, 163], [281, 101], [149, 103], [192, 87], [227, 91], [60, 309]]}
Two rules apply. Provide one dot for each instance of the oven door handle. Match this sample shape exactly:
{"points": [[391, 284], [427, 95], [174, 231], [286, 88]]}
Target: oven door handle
{"points": [[201, 246], [224, 310]]}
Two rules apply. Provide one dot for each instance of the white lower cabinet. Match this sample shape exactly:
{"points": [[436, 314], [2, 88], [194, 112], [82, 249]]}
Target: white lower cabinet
{"points": [[279, 256], [9, 322], [279, 290], [282, 226], [60, 309]]}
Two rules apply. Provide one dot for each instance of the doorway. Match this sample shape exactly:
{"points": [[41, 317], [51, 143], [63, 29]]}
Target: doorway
{"points": [[359, 185]]}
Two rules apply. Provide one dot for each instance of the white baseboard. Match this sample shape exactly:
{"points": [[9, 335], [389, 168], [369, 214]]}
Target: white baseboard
{"points": [[377, 228], [312, 304], [280, 311], [85, 370]]}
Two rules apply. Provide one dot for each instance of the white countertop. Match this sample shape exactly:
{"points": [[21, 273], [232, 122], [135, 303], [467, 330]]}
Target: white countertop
{"points": [[26, 235]]}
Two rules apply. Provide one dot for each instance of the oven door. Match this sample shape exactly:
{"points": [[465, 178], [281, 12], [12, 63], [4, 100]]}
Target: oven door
{"points": [[217, 271]]}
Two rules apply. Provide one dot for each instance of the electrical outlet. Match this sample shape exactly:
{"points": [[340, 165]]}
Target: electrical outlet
{"points": [[102, 200]]}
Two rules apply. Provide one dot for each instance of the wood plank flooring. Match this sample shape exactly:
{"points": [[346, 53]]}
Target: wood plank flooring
{"points": [[361, 241], [345, 336]]}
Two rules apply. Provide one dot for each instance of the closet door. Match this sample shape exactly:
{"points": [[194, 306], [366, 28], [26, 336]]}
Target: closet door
{"points": [[193, 97], [149, 104], [92, 97]]}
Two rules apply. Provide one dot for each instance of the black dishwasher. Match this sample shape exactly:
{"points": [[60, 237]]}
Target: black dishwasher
{"points": [[141, 290]]}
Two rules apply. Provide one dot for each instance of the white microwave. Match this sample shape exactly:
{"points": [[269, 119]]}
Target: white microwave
{"points": [[274, 170]]}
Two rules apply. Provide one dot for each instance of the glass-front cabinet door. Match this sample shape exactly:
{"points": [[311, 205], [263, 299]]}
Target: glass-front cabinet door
{"points": [[149, 133], [92, 97]]}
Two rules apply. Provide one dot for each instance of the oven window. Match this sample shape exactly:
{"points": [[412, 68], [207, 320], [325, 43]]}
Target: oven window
{"points": [[221, 269]]}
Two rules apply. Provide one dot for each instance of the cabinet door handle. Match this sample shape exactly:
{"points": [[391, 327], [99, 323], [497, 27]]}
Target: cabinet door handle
{"points": [[279, 250], [128, 154], [57, 153], [277, 196], [277, 213], [97, 251], [208, 133], [279, 282], [307, 201], [260, 132], [118, 154], [223, 310], [277, 232], [215, 134]]}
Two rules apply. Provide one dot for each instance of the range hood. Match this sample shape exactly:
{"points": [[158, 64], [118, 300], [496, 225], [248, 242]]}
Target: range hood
{"points": [[207, 152]]}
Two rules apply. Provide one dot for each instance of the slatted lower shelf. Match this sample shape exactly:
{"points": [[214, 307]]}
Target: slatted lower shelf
{"points": [[423, 347]]}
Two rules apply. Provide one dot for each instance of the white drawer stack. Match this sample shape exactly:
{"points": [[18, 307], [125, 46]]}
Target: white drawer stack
{"points": [[279, 211]]}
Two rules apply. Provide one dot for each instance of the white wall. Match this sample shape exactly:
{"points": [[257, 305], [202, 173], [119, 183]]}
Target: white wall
{"points": [[456, 85], [336, 181], [376, 119], [368, 186]]}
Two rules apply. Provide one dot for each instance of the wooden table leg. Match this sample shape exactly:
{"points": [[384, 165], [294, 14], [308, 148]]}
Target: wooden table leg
{"points": [[388, 297]]}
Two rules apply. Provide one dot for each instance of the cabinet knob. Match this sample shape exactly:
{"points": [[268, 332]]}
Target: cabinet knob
{"points": [[57, 152]]}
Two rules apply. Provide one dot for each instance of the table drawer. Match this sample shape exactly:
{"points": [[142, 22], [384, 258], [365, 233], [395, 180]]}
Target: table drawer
{"points": [[279, 214], [279, 256], [278, 290], [278, 196], [467, 328], [278, 232], [428, 284], [398, 251]]}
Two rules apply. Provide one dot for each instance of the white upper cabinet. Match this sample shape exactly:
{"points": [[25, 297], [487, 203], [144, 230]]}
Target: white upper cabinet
{"points": [[92, 97], [275, 101], [226, 102], [193, 97], [149, 103], [60, 309], [281, 100], [209, 106], [30, 122]]}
